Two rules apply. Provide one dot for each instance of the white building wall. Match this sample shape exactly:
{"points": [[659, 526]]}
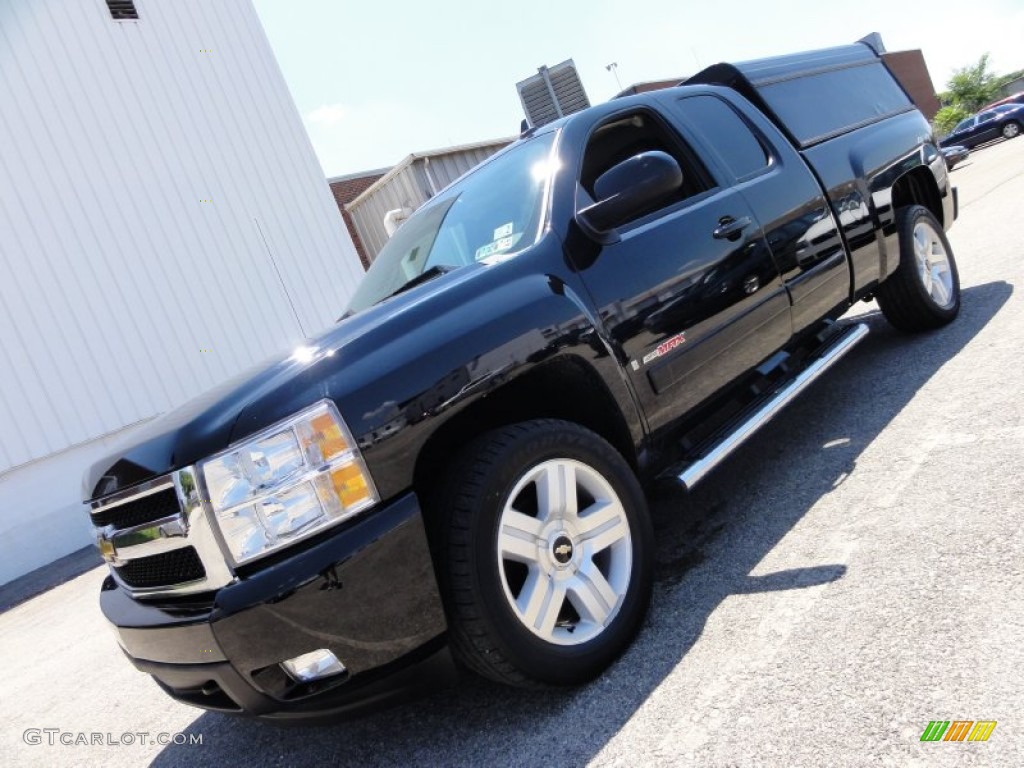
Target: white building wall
{"points": [[164, 223]]}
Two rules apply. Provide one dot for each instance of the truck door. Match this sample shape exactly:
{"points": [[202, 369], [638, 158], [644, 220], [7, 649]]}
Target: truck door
{"points": [[789, 203], [689, 292]]}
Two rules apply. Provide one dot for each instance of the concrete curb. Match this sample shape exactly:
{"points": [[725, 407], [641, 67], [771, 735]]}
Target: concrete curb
{"points": [[49, 576]]}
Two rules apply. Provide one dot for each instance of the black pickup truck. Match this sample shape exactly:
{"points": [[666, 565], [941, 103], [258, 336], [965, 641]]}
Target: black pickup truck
{"points": [[454, 471]]}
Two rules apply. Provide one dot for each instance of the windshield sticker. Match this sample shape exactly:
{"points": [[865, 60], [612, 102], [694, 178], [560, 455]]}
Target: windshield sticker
{"points": [[486, 250], [503, 231], [501, 244]]}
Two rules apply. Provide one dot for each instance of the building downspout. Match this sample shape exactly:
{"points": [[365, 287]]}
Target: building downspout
{"points": [[430, 179]]}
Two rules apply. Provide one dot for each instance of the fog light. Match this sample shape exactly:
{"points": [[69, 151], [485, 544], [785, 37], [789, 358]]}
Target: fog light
{"points": [[313, 666]]}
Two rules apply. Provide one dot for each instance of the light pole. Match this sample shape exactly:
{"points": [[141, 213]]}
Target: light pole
{"points": [[614, 69]]}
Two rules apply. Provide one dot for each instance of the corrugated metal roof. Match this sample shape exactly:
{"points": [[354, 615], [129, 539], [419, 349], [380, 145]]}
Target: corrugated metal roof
{"points": [[410, 184], [359, 175], [410, 159]]}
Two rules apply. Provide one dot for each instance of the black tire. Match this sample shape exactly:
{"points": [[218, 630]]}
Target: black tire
{"points": [[1011, 130], [486, 633], [905, 298]]}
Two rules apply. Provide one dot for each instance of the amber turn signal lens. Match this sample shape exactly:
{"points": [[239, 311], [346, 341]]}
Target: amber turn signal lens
{"points": [[350, 485], [327, 434]]}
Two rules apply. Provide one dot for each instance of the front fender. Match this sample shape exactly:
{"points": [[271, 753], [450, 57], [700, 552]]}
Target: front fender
{"points": [[463, 345]]}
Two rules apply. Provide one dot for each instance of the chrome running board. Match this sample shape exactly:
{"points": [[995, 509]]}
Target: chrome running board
{"points": [[696, 470]]}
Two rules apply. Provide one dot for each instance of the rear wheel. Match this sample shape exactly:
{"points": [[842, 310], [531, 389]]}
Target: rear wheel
{"points": [[1010, 130], [924, 291], [546, 554]]}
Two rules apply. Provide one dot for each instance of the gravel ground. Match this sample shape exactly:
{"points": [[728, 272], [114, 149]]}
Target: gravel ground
{"points": [[852, 573]]}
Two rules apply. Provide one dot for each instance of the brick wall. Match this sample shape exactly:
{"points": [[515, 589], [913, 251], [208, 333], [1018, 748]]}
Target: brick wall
{"points": [[909, 68], [347, 189]]}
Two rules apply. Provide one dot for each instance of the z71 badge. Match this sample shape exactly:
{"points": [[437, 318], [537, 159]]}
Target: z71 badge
{"points": [[665, 347]]}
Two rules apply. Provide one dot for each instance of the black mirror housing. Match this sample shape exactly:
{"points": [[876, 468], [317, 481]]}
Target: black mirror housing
{"points": [[627, 188]]}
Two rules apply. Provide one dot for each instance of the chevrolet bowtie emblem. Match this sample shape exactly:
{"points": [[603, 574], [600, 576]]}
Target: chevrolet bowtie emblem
{"points": [[106, 548], [563, 549]]}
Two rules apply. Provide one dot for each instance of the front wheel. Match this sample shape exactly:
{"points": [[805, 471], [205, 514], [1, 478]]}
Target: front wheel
{"points": [[924, 291], [546, 554]]}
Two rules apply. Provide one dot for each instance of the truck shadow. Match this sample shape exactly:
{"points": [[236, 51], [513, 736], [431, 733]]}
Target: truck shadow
{"points": [[708, 544]]}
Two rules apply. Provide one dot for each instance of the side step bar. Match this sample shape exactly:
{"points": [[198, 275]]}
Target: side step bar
{"points": [[699, 468]]}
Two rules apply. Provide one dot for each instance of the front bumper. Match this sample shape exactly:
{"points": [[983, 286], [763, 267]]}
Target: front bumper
{"points": [[367, 593]]}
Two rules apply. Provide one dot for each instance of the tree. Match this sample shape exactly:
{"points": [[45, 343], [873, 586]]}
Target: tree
{"points": [[947, 118], [972, 87]]}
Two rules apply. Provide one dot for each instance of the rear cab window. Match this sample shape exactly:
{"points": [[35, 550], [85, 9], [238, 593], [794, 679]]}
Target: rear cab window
{"points": [[738, 147]]}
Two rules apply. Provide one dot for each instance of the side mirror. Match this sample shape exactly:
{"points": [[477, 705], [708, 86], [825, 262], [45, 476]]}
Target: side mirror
{"points": [[626, 189]]}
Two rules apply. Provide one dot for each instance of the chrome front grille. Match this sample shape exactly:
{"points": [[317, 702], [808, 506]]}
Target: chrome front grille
{"points": [[158, 538]]}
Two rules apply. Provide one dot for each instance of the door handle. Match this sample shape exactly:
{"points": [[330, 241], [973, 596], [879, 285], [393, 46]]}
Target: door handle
{"points": [[729, 228]]}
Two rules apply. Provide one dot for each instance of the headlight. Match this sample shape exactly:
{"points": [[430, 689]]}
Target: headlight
{"points": [[287, 482]]}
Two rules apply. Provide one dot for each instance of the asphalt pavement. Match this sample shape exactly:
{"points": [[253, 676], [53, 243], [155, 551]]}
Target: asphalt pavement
{"points": [[852, 573]]}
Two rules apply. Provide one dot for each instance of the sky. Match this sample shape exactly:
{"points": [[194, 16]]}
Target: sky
{"points": [[375, 81]]}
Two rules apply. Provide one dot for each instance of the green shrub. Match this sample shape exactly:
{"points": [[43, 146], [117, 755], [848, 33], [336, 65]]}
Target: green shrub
{"points": [[947, 118]]}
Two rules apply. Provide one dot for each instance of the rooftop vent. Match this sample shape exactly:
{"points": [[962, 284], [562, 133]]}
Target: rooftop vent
{"points": [[552, 93], [122, 10]]}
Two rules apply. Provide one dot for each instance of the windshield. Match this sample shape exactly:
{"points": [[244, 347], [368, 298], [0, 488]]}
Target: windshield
{"points": [[491, 213]]}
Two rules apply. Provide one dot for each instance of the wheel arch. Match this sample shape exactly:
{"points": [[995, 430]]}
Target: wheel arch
{"points": [[919, 187], [566, 388]]}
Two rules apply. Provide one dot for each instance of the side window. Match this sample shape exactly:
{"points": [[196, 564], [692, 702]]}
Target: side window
{"points": [[624, 136], [984, 117], [820, 105], [726, 132], [963, 125]]}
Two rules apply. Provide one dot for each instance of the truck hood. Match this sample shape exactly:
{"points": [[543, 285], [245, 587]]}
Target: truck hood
{"points": [[266, 393]]}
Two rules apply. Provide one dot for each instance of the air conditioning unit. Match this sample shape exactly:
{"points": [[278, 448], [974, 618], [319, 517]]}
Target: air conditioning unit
{"points": [[552, 93]]}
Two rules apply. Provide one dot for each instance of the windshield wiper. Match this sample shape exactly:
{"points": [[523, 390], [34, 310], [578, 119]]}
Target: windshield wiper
{"points": [[425, 276]]}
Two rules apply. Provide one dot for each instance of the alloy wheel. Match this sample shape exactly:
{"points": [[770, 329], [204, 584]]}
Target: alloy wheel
{"points": [[564, 550], [933, 265]]}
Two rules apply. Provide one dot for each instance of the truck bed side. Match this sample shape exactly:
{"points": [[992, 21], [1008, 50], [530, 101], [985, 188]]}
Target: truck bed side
{"points": [[869, 147]]}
